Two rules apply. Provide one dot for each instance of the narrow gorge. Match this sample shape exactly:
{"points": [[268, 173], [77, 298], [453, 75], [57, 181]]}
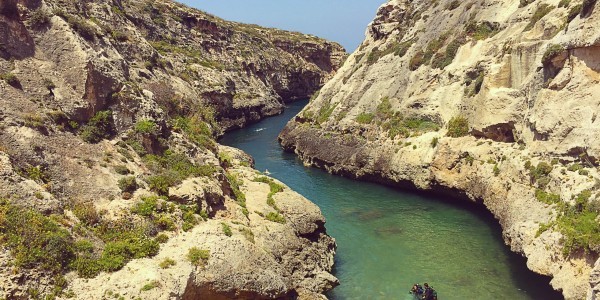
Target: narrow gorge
{"points": [[485, 100]]}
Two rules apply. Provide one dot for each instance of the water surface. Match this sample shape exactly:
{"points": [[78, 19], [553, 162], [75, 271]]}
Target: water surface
{"points": [[389, 239]]}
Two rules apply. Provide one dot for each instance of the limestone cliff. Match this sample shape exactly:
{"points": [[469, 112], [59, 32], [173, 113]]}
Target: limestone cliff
{"points": [[111, 182], [494, 101]]}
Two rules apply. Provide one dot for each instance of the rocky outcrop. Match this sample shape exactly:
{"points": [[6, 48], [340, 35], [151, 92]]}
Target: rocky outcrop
{"points": [[491, 101], [109, 111], [260, 259]]}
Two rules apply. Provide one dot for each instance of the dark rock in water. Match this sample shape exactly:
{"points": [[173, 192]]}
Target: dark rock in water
{"points": [[370, 215], [389, 231]]}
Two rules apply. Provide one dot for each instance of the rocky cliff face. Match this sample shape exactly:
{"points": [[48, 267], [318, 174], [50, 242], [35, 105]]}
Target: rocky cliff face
{"points": [[494, 101], [111, 182]]}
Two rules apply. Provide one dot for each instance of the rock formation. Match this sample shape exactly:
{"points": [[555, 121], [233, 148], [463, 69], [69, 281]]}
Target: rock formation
{"points": [[493, 101], [111, 182]]}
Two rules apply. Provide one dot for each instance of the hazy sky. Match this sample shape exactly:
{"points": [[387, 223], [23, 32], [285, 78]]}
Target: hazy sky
{"points": [[343, 21]]}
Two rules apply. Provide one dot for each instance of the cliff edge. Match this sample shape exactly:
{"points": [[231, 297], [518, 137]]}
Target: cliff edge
{"points": [[494, 101], [111, 182]]}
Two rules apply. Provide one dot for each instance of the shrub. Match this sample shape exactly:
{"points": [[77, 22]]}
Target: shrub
{"points": [[325, 112], [545, 197], [417, 60], [37, 174], [365, 118], [496, 170], [575, 167], [167, 263], [458, 127], [543, 169], [551, 52], [539, 13], [275, 217], [146, 127], [164, 222], [39, 17], [441, 61], [434, 142], [198, 131], [99, 127], [122, 170], [34, 239], [481, 30], [80, 25], [171, 169], [128, 184], [161, 238], [11, 79], [226, 229], [234, 183], [198, 257], [86, 213], [150, 286], [147, 206]]}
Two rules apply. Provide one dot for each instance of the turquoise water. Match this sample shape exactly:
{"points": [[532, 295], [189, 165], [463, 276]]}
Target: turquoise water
{"points": [[389, 239]]}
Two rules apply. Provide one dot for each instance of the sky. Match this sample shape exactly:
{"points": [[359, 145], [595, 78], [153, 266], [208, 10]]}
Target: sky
{"points": [[342, 21]]}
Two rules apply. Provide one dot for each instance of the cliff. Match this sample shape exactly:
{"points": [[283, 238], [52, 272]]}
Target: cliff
{"points": [[492, 101], [111, 182]]}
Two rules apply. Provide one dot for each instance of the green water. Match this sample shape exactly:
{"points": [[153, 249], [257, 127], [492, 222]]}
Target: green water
{"points": [[389, 239]]}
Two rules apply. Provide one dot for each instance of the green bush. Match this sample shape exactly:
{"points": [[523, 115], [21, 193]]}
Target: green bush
{"points": [[226, 229], [197, 130], [551, 52], [575, 167], [434, 142], [167, 263], [365, 118], [11, 79], [417, 60], [86, 213], [99, 127], [172, 168], [234, 183], [545, 197], [458, 127], [275, 217], [481, 30], [574, 12], [325, 112], [121, 170], [79, 25], [147, 127], [539, 13], [150, 286], [198, 257], [161, 238], [35, 240], [128, 184], [147, 206]]}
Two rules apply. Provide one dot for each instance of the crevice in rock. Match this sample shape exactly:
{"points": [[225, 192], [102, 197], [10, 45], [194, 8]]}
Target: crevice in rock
{"points": [[502, 132]]}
